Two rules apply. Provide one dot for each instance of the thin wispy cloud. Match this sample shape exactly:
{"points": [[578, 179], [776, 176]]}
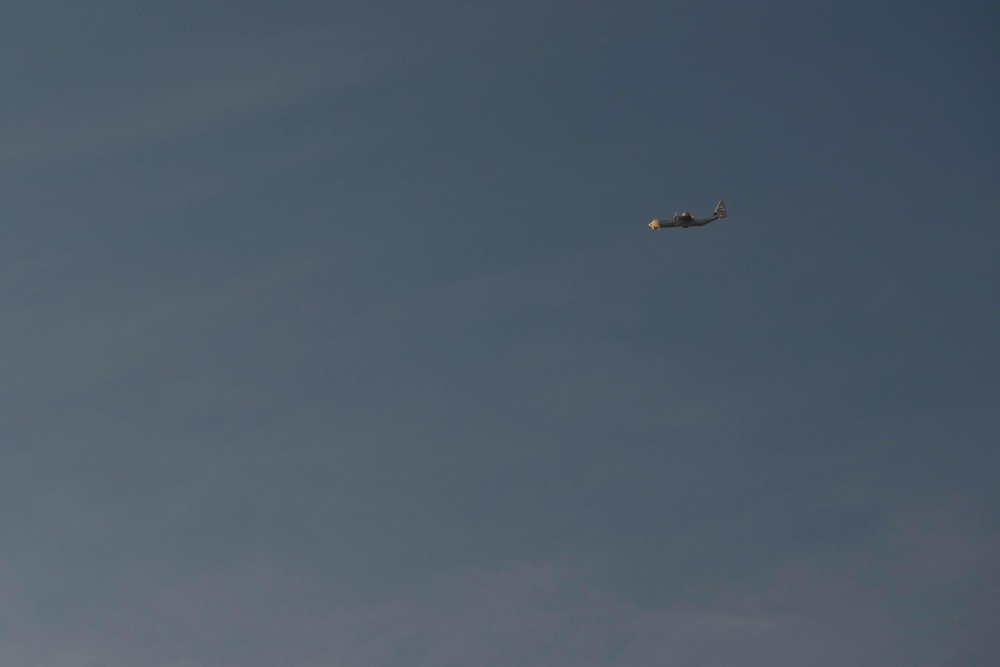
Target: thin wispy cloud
{"points": [[796, 614], [192, 87]]}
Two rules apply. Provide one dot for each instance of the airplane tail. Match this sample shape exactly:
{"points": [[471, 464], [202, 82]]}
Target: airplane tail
{"points": [[720, 209]]}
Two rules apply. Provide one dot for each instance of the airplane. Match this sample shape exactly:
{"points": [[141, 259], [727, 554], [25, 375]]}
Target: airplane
{"points": [[685, 219]]}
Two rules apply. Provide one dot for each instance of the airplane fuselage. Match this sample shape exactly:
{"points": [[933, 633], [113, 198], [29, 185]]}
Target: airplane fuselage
{"points": [[685, 220], [682, 223]]}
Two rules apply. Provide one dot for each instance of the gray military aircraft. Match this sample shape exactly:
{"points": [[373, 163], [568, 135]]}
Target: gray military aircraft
{"points": [[685, 219]]}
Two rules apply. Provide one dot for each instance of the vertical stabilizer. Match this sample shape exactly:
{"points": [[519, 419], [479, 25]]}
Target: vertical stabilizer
{"points": [[720, 209]]}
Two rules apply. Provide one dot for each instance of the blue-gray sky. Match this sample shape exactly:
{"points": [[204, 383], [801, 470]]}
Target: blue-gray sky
{"points": [[333, 334]]}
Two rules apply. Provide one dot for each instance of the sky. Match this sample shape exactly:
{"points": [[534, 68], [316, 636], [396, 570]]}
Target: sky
{"points": [[333, 334]]}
